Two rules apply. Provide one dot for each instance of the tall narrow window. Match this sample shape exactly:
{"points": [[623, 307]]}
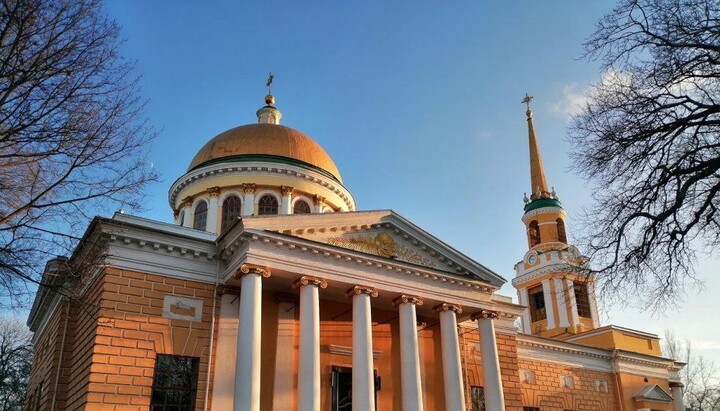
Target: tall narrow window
{"points": [[301, 207], [174, 383], [231, 209], [562, 236], [537, 303], [200, 220], [534, 233], [182, 217], [477, 397], [582, 299], [267, 205]]}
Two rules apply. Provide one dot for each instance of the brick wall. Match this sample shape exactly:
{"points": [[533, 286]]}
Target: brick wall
{"points": [[548, 393], [132, 331]]}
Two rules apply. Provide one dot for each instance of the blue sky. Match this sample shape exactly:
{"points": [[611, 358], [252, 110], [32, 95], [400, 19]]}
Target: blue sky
{"points": [[418, 104]]}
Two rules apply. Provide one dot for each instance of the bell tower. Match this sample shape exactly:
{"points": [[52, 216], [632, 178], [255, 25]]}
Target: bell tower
{"points": [[553, 279]]}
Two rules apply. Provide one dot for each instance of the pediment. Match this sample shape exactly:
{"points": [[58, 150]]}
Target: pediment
{"points": [[379, 233], [653, 393]]}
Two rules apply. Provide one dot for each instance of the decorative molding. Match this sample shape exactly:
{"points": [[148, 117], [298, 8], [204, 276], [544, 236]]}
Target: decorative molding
{"points": [[448, 307], [308, 280], [252, 269], [542, 210], [343, 350], [361, 289], [182, 308], [318, 199], [484, 314], [407, 299], [249, 188], [260, 167], [214, 191], [287, 190]]}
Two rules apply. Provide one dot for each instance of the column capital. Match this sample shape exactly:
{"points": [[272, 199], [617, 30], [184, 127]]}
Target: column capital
{"points": [[448, 307], [361, 289], [484, 314], [309, 280], [249, 188], [186, 202], [406, 298], [252, 269], [287, 190], [214, 191], [318, 199]]}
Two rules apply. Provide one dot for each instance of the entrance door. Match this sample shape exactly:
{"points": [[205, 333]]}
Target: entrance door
{"points": [[342, 388]]}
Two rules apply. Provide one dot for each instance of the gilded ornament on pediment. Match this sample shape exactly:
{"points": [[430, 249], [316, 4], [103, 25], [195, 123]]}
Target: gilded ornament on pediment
{"points": [[383, 245]]}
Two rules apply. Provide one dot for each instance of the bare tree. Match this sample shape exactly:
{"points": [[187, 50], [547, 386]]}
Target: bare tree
{"points": [[71, 132], [15, 360], [649, 138], [700, 375]]}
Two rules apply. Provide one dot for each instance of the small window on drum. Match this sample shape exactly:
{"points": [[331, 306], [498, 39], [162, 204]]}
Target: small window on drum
{"points": [[301, 207], [534, 233], [231, 209], [562, 235], [200, 220], [267, 205]]}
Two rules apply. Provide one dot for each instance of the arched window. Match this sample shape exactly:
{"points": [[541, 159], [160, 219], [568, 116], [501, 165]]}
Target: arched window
{"points": [[267, 205], [301, 207], [534, 233], [562, 236], [231, 210], [200, 220]]}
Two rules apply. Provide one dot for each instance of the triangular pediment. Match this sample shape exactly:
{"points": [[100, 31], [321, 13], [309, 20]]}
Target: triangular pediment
{"points": [[379, 233], [653, 393]]}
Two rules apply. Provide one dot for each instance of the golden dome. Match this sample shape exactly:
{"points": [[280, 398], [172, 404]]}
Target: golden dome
{"points": [[266, 140]]}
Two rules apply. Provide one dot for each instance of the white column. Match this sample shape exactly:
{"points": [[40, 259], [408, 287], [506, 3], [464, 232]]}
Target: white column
{"points": [[309, 362], [593, 303], [526, 320], [212, 213], [562, 307], [412, 399], [248, 203], [286, 199], [317, 203], [247, 370], [574, 318], [187, 209], [224, 375], [677, 393], [548, 296], [452, 371], [363, 379], [494, 399], [285, 369]]}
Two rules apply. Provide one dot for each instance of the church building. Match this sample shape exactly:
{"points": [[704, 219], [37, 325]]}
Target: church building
{"points": [[272, 292]]}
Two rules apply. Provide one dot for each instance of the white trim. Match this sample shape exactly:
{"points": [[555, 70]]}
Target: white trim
{"points": [[549, 309], [228, 193], [542, 210], [526, 320], [562, 307], [261, 194], [593, 304], [574, 317]]}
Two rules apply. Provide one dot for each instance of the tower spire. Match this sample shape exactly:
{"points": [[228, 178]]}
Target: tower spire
{"points": [[538, 184]]}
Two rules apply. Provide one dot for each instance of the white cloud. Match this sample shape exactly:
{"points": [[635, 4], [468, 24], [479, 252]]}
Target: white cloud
{"points": [[571, 103]]}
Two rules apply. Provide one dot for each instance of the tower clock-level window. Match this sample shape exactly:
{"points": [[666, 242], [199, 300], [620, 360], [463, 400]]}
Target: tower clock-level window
{"points": [[174, 383], [534, 233], [200, 218], [582, 299], [537, 303], [230, 211], [301, 207], [562, 235], [267, 205]]}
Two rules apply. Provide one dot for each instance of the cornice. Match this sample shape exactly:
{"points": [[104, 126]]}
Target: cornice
{"points": [[347, 256], [544, 270], [542, 210], [259, 167]]}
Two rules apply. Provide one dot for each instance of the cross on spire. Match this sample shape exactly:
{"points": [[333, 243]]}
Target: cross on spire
{"points": [[269, 82], [528, 98]]}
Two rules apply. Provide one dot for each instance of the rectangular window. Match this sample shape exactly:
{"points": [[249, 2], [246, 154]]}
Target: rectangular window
{"points": [[477, 396], [174, 383], [582, 299], [531, 409], [537, 303]]}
